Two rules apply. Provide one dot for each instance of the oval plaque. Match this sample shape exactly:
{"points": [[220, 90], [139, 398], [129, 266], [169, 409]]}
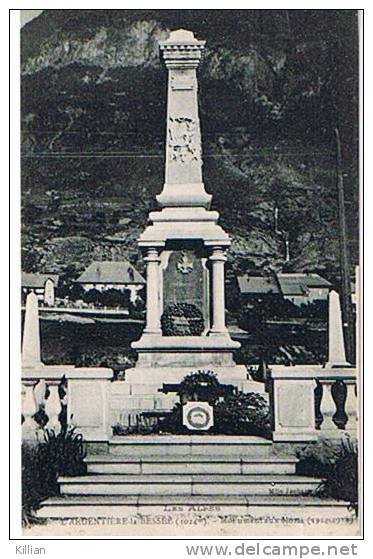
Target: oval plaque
{"points": [[198, 416]]}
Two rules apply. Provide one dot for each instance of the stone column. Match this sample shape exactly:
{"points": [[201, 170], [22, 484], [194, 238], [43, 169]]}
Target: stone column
{"points": [[183, 178], [218, 259], [153, 323]]}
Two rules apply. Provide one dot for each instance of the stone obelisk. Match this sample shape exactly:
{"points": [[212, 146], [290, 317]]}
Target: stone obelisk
{"points": [[183, 177], [183, 245], [337, 353], [31, 334]]}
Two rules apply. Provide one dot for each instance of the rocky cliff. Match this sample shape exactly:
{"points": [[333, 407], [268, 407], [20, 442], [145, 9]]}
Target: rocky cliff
{"points": [[273, 87]]}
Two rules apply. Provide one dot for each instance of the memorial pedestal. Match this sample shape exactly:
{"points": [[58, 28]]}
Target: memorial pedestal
{"points": [[184, 246]]}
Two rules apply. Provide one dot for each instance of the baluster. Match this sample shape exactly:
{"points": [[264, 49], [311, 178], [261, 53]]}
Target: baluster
{"points": [[351, 406], [339, 393], [39, 392], [318, 397], [53, 407], [29, 409], [327, 406]]}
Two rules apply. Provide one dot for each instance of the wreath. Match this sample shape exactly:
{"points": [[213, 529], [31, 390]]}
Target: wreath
{"points": [[200, 386], [182, 319]]}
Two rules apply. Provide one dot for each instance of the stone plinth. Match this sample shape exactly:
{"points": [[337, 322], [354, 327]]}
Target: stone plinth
{"points": [[293, 404], [192, 351], [88, 404]]}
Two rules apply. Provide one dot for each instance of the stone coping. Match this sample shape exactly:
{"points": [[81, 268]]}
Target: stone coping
{"points": [[188, 439], [185, 343], [56, 372], [310, 372], [47, 372], [88, 373]]}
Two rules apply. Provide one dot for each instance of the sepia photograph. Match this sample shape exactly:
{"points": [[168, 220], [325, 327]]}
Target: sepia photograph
{"points": [[190, 285]]}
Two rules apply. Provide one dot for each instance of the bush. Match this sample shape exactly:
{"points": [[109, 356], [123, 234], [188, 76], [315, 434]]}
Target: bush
{"points": [[243, 414], [238, 414], [57, 455], [200, 386], [337, 464], [182, 319], [140, 429]]}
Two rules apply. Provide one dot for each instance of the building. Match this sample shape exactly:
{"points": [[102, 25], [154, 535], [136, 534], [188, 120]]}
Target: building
{"points": [[41, 284], [299, 288], [303, 288], [258, 286], [112, 275]]}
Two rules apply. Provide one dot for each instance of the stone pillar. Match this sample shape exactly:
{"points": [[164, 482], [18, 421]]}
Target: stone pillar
{"points": [[218, 259], [153, 323], [336, 346], [183, 177], [31, 334]]}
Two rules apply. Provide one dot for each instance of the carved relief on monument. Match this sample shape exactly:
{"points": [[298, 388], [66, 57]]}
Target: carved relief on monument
{"points": [[184, 264], [185, 280], [183, 139]]}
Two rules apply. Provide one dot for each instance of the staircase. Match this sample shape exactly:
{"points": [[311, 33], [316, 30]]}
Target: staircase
{"points": [[162, 472]]}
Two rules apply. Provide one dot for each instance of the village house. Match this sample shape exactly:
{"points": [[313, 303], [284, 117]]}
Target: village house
{"points": [[43, 285], [299, 288], [112, 275]]}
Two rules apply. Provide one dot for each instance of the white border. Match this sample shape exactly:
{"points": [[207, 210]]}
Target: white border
{"points": [[132, 547]]}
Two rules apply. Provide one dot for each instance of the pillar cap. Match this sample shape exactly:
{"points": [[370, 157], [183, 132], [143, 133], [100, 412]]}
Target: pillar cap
{"points": [[182, 39]]}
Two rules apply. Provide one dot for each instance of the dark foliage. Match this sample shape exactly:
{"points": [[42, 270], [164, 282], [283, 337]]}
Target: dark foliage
{"points": [[182, 319], [200, 386], [87, 74], [336, 465], [59, 454], [243, 414]]}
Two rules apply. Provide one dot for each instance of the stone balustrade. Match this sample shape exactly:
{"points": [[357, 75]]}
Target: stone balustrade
{"points": [[82, 393], [309, 402], [43, 390]]}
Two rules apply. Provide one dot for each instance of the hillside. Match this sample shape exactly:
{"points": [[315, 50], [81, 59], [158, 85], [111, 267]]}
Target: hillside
{"points": [[273, 87]]}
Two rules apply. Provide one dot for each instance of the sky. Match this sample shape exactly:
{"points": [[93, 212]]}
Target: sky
{"points": [[28, 15]]}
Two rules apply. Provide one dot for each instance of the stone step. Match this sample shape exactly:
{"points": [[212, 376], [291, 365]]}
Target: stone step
{"points": [[110, 464], [206, 484], [198, 445], [91, 506]]}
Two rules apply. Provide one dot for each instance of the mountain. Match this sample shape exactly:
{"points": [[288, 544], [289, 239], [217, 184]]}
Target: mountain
{"points": [[274, 85]]}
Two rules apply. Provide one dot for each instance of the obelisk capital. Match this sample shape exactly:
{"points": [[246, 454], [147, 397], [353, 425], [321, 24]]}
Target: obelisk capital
{"points": [[182, 49]]}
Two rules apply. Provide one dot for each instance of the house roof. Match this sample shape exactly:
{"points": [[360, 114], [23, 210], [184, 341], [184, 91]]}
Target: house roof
{"points": [[257, 284], [111, 272], [288, 284], [299, 284], [37, 281]]}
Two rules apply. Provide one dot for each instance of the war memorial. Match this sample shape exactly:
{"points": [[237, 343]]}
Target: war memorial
{"points": [[184, 248]]}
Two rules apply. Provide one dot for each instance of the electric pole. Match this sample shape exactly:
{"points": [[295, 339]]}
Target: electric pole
{"points": [[344, 260]]}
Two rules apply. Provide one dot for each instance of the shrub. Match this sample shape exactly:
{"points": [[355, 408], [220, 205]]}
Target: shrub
{"points": [[140, 429], [337, 464], [42, 464], [200, 386], [173, 422], [243, 414], [237, 414], [182, 319]]}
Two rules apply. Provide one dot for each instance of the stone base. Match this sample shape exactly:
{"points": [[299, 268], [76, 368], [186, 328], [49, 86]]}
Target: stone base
{"points": [[157, 376], [185, 351], [293, 437]]}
